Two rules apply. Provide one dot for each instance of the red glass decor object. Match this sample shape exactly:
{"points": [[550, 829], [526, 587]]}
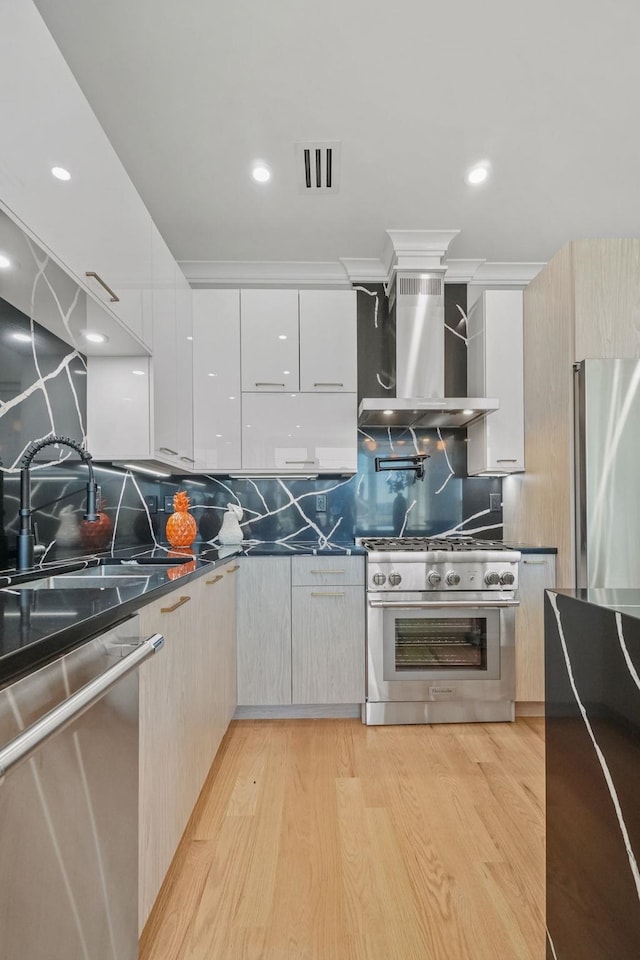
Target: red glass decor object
{"points": [[96, 534], [181, 526]]}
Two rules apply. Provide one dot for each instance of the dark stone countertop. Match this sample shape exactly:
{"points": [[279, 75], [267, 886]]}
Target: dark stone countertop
{"points": [[300, 548], [37, 625], [527, 548], [624, 600]]}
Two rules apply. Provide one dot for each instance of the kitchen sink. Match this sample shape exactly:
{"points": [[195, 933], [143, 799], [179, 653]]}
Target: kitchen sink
{"points": [[71, 581]]}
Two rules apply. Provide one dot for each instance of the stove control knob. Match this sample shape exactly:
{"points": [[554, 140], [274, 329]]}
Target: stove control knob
{"points": [[394, 579], [507, 578], [433, 578], [453, 579], [379, 579], [492, 579]]}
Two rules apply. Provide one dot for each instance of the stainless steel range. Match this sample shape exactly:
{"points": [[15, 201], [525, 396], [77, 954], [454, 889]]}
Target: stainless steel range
{"points": [[440, 630]]}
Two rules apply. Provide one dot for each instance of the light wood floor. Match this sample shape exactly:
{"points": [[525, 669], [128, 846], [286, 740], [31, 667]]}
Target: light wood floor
{"points": [[326, 839]]}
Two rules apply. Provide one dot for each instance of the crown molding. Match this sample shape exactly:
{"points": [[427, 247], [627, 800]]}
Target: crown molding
{"points": [[505, 274], [405, 251], [361, 270], [264, 273], [413, 250]]}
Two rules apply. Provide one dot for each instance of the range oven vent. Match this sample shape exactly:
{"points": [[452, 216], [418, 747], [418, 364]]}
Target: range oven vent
{"points": [[318, 166]]}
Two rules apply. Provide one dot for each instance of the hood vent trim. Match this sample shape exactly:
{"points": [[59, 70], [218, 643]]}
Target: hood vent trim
{"points": [[419, 286], [425, 414]]}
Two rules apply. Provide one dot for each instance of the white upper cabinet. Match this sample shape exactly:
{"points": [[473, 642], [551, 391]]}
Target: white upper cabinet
{"points": [[93, 223], [495, 369], [299, 432], [269, 325], [172, 360], [118, 408], [328, 345], [216, 379]]}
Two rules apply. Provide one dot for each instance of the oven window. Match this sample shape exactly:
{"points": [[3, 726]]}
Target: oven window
{"points": [[435, 643]]}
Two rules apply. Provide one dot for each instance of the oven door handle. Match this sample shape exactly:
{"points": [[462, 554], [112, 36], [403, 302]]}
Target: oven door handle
{"points": [[442, 604]]}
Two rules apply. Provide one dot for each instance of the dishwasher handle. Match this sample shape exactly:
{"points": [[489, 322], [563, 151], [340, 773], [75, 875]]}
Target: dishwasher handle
{"points": [[53, 722], [443, 604]]}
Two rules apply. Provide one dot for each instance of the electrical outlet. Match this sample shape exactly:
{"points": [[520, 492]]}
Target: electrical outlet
{"points": [[321, 503], [168, 504], [495, 502], [152, 503]]}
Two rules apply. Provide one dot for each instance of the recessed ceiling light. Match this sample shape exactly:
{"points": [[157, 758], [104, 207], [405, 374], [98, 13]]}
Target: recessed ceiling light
{"points": [[282, 336], [60, 173], [96, 337], [261, 173], [22, 337], [286, 372], [212, 374], [219, 435], [138, 373], [4, 262], [231, 398], [477, 174], [189, 338]]}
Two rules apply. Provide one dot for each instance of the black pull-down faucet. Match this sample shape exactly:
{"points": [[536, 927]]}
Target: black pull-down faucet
{"points": [[26, 539]]}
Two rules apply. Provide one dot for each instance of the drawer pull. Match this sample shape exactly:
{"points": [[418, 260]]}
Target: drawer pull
{"points": [[178, 603], [320, 384], [535, 561], [92, 273], [336, 594], [506, 460], [233, 569], [188, 459], [312, 462], [215, 579], [265, 383], [336, 572], [174, 453]]}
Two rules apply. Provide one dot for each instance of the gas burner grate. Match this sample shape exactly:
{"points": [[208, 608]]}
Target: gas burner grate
{"points": [[423, 544]]}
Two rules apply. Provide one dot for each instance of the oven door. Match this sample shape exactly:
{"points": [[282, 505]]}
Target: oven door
{"points": [[416, 643]]}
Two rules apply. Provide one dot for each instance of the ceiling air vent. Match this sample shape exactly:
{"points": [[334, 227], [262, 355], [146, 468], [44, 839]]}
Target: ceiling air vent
{"points": [[412, 286], [318, 165]]}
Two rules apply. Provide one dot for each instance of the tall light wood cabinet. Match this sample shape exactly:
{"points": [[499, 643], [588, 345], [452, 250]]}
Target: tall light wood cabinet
{"points": [[537, 573], [584, 303], [187, 698]]}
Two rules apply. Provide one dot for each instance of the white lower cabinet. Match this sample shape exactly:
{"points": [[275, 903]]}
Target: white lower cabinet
{"points": [[301, 644], [187, 697], [264, 631], [299, 432], [537, 573]]}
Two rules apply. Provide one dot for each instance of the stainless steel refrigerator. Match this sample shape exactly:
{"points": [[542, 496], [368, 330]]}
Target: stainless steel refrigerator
{"points": [[607, 473]]}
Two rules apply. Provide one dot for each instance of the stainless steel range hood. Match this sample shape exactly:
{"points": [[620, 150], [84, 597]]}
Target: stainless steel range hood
{"points": [[420, 332]]}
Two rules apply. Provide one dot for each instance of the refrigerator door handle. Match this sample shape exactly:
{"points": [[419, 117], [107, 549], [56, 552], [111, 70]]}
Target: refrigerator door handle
{"points": [[24, 745]]}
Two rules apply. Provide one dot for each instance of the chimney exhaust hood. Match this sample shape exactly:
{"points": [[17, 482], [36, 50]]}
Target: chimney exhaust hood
{"points": [[417, 284]]}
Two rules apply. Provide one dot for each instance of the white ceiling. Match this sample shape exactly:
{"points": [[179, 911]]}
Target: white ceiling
{"points": [[191, 93]]}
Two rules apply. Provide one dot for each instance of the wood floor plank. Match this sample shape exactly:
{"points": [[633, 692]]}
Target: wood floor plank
{"points": [[329, 840]]}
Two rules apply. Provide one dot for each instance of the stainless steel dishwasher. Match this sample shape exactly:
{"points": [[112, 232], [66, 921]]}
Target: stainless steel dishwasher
{"points": [[69, 803]]}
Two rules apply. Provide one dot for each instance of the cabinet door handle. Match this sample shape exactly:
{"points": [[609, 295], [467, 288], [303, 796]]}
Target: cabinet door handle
{"points": [[506, 460], [215, 579], [264, 383], [233, 569], [178, 603], [188, 459], [337, 594], [329, 571], [300, 461], [535, 561], [321, 384], [174, 453], [92, 273]]}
